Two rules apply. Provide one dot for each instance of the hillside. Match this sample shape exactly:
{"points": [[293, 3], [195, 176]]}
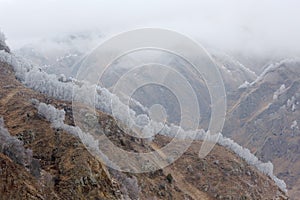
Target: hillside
{"points": [[63, 55], [64, 169], [265, 119]]}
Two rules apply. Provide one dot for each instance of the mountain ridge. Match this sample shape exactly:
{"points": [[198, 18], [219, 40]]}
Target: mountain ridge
{"points": [[13, 93]]}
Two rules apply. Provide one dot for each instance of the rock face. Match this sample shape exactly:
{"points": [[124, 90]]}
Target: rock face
{"points": [[64, 169], [265, 119]]}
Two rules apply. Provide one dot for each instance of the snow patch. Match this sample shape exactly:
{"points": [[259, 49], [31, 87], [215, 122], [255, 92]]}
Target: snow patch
{"points": [[279, 92], [244, 85]]}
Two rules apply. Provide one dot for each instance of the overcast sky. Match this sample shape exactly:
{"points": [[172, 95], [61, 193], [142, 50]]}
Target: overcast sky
{"points": [[256, 25]]}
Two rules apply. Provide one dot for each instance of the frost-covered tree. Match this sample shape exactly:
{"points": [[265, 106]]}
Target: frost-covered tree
{"points": [[266, 168], [13, 148], [3, 45], [57, 117], [53, 115]]}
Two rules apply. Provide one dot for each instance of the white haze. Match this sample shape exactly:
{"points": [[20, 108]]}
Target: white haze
{"points": [[249, 26]]}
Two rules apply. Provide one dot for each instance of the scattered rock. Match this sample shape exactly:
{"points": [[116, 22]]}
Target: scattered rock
{"points": [[169, 178]]}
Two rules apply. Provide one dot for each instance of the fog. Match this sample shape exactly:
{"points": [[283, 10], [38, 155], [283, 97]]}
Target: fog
{"points": [[248, 26]]}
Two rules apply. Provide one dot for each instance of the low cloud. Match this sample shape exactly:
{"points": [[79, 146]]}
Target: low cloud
{"points": [[250, 26]]}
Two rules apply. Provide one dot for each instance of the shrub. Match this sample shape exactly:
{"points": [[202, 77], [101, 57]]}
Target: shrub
{"points": [[13, 148]]}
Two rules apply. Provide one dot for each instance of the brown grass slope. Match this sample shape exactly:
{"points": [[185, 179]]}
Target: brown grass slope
{"points": [[68, 171]]}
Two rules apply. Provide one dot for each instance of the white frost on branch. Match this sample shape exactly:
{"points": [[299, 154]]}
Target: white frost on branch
{"points": [[53, 115], [56, 117]]}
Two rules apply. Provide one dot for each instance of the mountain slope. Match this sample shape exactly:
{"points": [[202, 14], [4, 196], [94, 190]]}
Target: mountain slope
{"points": [[63, 56], [68, 170], [265, 119]]}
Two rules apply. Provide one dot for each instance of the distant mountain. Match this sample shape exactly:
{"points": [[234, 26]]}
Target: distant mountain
{"points": [[266, 118], [59, 54], [63, 55], [233, 72]]}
